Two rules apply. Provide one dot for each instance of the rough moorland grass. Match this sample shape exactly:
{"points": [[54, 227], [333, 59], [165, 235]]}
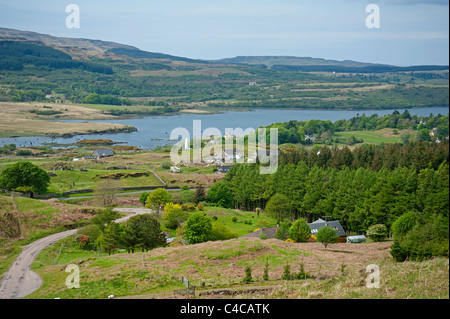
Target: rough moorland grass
{"points": [[39, 219], [100, 274], [222, 264], [407, 280]]}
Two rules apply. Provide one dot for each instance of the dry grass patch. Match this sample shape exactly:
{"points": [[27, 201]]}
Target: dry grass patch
{"points": [[17, 120]]}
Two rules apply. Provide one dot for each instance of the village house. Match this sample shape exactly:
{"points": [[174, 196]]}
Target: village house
{"points": [[315, 227], [335, 224], [229, 155], [100, 153]]}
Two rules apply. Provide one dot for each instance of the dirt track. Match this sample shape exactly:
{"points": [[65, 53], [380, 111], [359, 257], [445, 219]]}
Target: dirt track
{"points": [[20, 280]]}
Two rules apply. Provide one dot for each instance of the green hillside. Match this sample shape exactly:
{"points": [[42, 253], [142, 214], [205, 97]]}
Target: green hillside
{"points": [[33, 66]]}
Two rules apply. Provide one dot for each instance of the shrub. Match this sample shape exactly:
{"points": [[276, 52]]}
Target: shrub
{"points": [[221, 232], [404, 224], [187, 196], [201, 207], [302, 274], [266, 272], [191, 208], [166, 165], [234, 219], [263, 223], [398, 252], [327, 235], [174, 215], [93, 232], [286, 272], [377, 232], [248, 275], [423, 241], [198, 228], [143, 198], [83, 241], [24, 153], [263, 236], [283, 231], [300, 231]]}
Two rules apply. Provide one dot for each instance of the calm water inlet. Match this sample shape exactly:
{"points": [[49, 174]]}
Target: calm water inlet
{"points": [[155, 131]]}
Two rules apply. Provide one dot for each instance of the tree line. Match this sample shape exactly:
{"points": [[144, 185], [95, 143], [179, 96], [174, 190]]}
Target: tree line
{"points": [[369, 185], [402, 186], [363, 69], [299, 131], [140, 232]]}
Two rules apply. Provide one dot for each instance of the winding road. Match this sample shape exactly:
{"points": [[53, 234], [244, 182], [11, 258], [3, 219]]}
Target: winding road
{"points": [[20, 281]]}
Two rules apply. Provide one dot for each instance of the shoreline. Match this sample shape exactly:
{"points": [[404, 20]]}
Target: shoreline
{"points": [[64, 128]]}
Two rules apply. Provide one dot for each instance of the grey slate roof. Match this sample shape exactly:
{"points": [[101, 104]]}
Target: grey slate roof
{"points": [[318, 224], [315, 226], [270, 232], [103, 152]]}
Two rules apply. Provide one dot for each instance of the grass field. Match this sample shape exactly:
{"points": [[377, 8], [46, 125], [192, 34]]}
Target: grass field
{"points": [[247, 222], [63, 181], [374, 137]]}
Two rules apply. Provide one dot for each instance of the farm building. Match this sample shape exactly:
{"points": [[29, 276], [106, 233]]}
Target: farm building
{"points": [[102, 153]]}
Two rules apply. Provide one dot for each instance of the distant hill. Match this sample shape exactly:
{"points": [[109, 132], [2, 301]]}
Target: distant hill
{"points": [[74, 47], [85, 48], [34, 66], [139, 54], [307, 64], [79, 48], [269, 61]]}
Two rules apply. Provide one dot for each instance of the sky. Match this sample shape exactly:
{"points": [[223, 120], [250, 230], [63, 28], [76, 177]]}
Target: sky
{"points": [[411, 32]]}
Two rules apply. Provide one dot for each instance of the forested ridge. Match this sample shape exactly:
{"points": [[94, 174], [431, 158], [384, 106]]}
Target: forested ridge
{"points": [[30, 71], [366, 186], [14, 55]]}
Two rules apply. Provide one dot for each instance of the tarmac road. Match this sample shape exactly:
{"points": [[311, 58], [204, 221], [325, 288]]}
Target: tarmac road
{"points": [[20, 281]]}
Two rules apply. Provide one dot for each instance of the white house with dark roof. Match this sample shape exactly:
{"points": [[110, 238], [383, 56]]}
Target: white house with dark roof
{"points": [[335, 224], [315, 227], [102, 153]]}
